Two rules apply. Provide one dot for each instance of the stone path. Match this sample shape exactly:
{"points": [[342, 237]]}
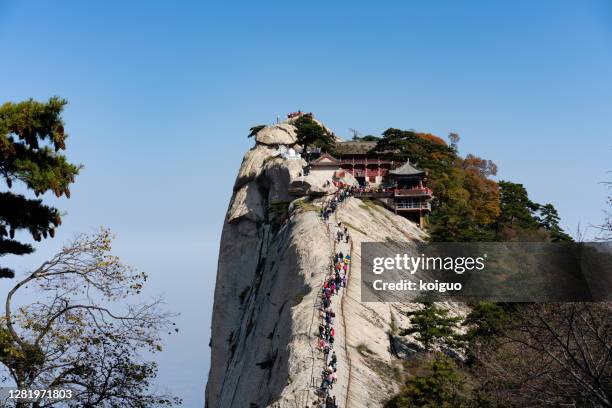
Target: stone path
{"points": [[340, 388]]}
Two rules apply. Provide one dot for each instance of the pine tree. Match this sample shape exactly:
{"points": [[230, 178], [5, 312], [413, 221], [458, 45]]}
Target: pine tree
{"points": [[31, 137], [310, 133], [255, 129], [548, 218], [432, 325], [441, 387], [516, 207], [518, 212]]}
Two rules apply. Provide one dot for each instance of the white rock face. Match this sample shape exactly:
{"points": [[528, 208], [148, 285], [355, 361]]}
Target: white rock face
{"points": [[267, 281], [247, 203], [281, 134], [277, 175], [374, 325], [263, 312], [252, 164], [273, 258], [313, 185]]}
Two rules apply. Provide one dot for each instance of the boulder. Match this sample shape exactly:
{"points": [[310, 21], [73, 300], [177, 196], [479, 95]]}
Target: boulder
{"points": [[404, 347], [277, 175], [281, 134], [252, 164], [311, 185], [247, 203], [348, 179], [454, 353]]}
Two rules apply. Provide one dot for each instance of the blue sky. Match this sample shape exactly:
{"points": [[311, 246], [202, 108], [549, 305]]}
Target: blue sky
{"points": [[162, 95]]}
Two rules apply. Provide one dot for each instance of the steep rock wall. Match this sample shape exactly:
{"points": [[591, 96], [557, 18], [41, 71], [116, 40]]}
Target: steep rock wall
{"points": [[273, 258], [264, 298]]}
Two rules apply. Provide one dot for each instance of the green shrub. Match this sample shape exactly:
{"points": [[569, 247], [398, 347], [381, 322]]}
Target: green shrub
{"points": [[432, 325], [442, 385], [363, 349]]}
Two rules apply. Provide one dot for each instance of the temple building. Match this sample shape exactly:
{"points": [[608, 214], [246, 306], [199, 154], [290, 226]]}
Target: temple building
{"points": [[357, 158], [410, 196], [326, 165], [401, 187]]}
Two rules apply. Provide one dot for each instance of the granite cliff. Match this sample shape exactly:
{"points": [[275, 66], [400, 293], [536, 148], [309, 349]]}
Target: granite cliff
{"points": [[274, 254]]}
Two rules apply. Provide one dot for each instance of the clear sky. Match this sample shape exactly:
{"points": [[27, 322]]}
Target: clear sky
{"points": [[162, 95]]}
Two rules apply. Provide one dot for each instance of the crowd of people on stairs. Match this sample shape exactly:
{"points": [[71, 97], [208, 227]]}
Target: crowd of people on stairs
{"points": [[334, 282], [328, 209]]}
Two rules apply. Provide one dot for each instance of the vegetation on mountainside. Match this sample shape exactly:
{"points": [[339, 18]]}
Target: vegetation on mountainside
{"points": [[432, 326], [438, 383], [523, 220], [31, 137], [548, 355], [278, 212], [310, 133], [486, 320], [366, 138], [68, 324], [540, 355], [363, 349], [516, 354], [255, 129], [468, 205], [304, 205]]}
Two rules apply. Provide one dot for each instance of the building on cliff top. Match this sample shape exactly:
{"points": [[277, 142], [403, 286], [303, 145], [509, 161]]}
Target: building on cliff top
{"points": [[411, 198], [359, 159], [326, 165], [400, 186]]}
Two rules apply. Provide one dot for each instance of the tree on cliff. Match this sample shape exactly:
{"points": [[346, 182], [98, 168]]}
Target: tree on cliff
{"points": [[548, 217], [454, 139], [432, 325], [466, 201], [517, 208], [31, 135], [82, 333], [441, 385], [468, 204], [310, 133], [523, 219], [486, 320], [255, 129]]}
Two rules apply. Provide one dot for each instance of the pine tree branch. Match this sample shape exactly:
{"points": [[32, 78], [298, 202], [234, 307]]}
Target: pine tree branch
{"points": [[18, 212]]}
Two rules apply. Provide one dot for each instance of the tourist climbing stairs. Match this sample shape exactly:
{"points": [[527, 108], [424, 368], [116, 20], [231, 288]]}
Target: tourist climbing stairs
{"points": [[340, 243]]}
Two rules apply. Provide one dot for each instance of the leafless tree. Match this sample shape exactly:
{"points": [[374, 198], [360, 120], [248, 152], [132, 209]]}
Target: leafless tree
{"points": [[83, 333], [454, 139], [551, 355], [606, 227]]}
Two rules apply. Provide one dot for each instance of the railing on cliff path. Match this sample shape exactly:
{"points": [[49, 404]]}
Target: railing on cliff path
{"points": [[305, 402], [315, 307], [342, 307]]}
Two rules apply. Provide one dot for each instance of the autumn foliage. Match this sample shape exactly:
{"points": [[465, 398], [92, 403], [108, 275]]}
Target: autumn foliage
{"points": [[431, 138], [469, 205]]}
